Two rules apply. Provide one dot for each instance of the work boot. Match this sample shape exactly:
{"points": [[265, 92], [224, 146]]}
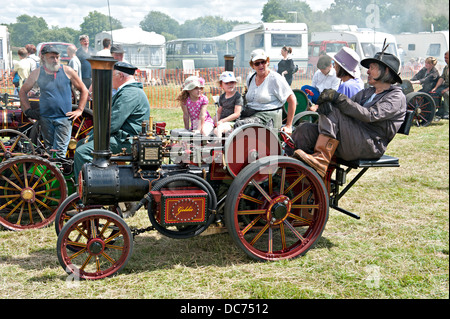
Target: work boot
{"points": [[323, 152]]}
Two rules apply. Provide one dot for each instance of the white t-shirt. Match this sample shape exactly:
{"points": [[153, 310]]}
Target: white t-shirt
{"points": [[271, 94], [329, 81]]}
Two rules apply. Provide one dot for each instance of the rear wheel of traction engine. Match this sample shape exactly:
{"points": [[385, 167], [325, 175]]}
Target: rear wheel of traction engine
{"points": [[104, 243], [423, 106], [276, 208], [31, 189], [72, 206], [176, 182], [14, 143]]}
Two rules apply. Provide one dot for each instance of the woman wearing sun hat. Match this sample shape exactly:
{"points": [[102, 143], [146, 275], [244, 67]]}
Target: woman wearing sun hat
{"points": [[360, 127], [346, 64], [267, 93]]}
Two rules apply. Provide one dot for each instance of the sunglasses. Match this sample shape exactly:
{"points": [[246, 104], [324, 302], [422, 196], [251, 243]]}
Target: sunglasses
{"points": [[259, 62]]}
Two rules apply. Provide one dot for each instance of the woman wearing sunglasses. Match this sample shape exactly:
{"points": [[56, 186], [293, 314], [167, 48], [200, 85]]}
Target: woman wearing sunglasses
{"points": [[267, 92]]}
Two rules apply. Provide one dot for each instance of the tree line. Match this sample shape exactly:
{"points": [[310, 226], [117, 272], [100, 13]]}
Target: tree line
{"points": [[392, 16]]}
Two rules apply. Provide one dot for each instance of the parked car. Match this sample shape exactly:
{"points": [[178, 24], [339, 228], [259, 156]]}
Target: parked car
{"points": [[60, 46]]}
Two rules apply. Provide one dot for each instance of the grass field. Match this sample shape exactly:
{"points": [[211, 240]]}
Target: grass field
{"points": [[399, 249]]}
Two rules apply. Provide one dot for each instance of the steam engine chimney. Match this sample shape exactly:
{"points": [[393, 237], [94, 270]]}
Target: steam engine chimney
{"points": [[102, 69]]}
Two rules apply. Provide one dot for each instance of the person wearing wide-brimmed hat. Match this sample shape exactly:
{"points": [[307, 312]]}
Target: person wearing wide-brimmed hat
{"points": [[360, 127], [346, 64]]}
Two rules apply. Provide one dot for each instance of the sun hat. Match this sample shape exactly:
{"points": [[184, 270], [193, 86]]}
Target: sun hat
{"points": [[347, 59], [386, 59], [227, 76], [192, 82], [258, 54]]}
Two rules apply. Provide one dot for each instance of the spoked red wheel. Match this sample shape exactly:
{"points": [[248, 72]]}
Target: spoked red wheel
{"points": [[14, 143], [104, 243], [423, 106], [31, 189], [276, 208], [72, 206]]}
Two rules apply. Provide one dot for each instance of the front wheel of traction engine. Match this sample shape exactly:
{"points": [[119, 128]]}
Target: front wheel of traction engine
{"points": [[31, 190], [104, 245], [276, 208]]}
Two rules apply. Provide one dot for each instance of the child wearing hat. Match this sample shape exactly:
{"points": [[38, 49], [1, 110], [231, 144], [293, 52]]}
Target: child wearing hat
{"points": [[194, 105], [230, 104]]}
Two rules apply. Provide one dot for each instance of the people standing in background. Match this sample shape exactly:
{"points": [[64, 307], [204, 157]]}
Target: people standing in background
{"points": [[117, 52], [34, 59], [106, 51], [74, 62], [84, 53], [286, 66], [22, 67]]}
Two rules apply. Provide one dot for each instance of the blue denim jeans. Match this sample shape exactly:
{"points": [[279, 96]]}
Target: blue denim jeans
{"points": [[56, 133]]}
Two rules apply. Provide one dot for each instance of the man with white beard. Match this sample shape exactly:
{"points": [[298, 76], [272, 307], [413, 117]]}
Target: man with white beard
{"points": [[55, 113]]}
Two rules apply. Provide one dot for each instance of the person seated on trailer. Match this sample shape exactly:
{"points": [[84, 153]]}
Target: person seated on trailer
{"points": [[346, 64], [441, 90], [360, 127], [324, 78], [230, 104], [55, 113], [267, 93], [194, 104], [130, 107], [427, 76]]}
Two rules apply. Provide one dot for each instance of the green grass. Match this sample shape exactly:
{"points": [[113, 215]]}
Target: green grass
{"points": [[399, 249]]}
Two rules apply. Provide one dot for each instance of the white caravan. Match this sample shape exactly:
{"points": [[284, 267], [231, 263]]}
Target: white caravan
{"points": [[145, 50], [271, 37], [423, 45], [5, 49]]}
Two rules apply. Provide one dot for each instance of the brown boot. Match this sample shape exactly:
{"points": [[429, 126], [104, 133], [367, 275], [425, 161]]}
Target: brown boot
{"points": [[323, 152]]}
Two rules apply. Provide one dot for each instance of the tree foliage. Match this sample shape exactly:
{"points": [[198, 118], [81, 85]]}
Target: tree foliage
{"points": [[160, 23], [392, 16], [96, 22]]}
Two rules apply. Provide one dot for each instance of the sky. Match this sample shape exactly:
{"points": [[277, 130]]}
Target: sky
{"points": [[68, 13]]}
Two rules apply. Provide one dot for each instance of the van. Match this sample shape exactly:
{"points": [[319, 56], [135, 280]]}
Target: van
{"points": [[423, 45], [270, 37], [60, 46], [317, 48], [366, 42]]}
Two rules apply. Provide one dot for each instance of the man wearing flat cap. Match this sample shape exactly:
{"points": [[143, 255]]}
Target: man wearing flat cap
{"points": [[55, 113], [130, 107], [360, 127]]}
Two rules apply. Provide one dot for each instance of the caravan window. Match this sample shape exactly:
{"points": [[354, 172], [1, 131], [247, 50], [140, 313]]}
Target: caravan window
{"points": [[208, 48], [434, 49], [411, 47], [192, 48], [290, 40], [156, 56]]}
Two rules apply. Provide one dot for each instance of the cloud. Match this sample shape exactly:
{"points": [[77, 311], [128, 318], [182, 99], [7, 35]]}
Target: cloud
{"points": [[131, 12]]}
